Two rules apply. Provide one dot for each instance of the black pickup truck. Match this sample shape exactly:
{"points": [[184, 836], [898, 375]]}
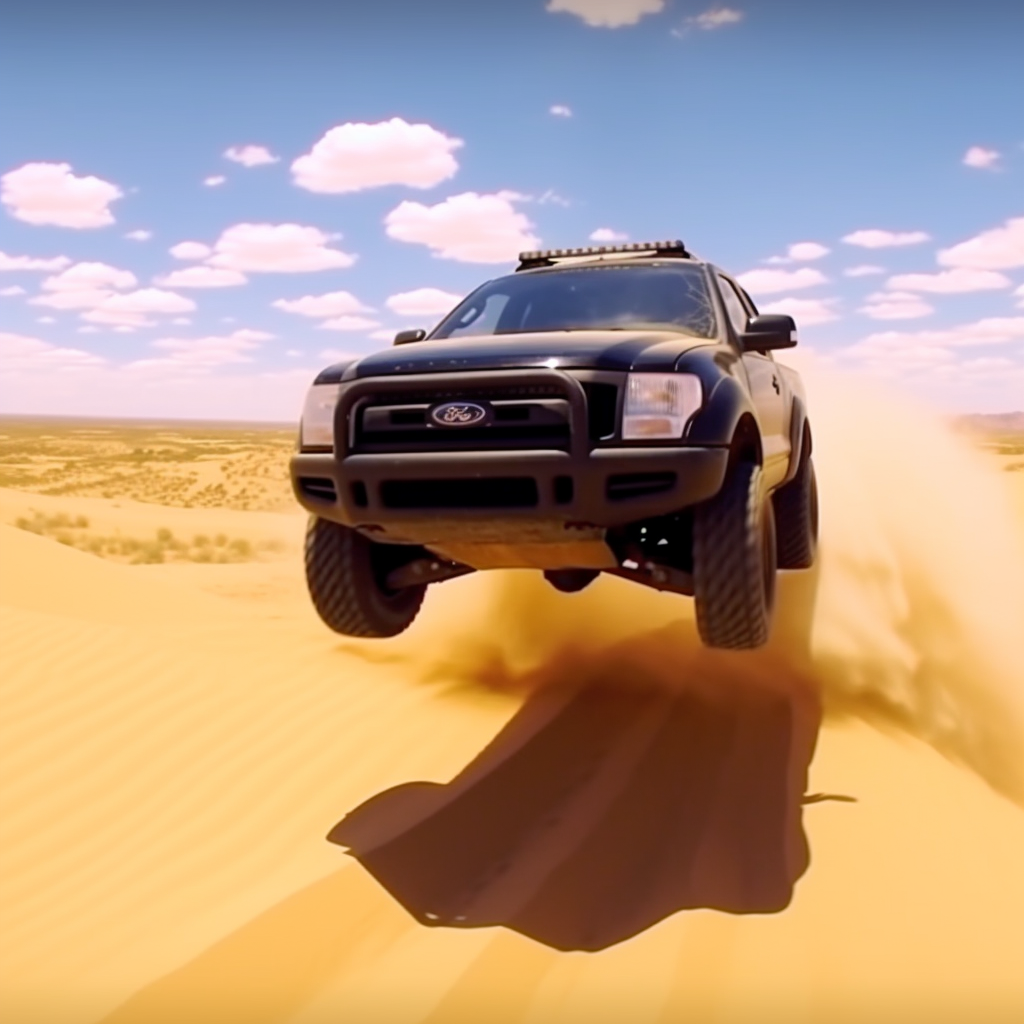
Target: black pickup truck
{"points": [[609, 409]]}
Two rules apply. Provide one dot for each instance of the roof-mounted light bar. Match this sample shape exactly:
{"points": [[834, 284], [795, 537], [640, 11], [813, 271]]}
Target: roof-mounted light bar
{"points": [[542, 257]]}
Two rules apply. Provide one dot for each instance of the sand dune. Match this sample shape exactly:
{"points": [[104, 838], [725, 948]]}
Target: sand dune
{"points": [[541, 808]]}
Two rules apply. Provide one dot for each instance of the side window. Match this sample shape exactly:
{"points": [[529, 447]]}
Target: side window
{"points": [[738, 314]]}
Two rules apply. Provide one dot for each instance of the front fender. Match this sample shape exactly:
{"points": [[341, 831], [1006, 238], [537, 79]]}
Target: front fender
{"points": [[719, 418]]}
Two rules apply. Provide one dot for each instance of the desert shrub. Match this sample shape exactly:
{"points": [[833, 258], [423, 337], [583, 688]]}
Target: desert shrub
{"points": [[240, 548], [164, 535], [200, 540]]}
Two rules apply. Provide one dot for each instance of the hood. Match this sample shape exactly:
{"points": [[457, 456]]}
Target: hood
{"points": [[591, 350]]}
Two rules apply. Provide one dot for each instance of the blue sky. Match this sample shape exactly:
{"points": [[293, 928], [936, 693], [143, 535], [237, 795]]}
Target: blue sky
{"points": [[434, 140]]}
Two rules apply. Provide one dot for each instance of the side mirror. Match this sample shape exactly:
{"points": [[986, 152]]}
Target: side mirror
{"points": [[404, 337], [769, 330]]}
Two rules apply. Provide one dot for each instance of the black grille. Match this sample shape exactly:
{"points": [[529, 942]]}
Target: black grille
{"points": [[318, 488], [622, 486], [499, 492], [602, 409]]}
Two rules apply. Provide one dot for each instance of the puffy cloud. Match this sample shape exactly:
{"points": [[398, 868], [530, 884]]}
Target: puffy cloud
{"points": [[14, 289], [87, 275], [895, 306], [997, 249], [608, 235], [32, 262], [766, 282], [469, 227], [423, 302], [937, 344], [190, 251], [607, 13], [954, 281], [875, 238], [21, 352], [331, 304], [715, 17], [250, 156], [355, 156], [978, 156], [76, 298], [349, 323], [560, 110], [133, 308], [863, 270], [806, 312], [214, 180], [206, 352], [807, 251], [139, 235], [202, 277], [44, 193], [276, 249]]}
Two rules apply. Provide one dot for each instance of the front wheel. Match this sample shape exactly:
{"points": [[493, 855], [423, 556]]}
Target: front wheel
{"points": [[734, 562], [796, 517], [346, 574]]}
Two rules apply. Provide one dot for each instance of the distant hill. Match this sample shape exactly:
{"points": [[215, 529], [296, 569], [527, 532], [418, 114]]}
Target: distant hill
{"points": [[991, 423]]}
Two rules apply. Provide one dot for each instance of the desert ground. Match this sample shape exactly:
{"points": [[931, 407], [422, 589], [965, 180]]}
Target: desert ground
{"points": [[533, 807]]}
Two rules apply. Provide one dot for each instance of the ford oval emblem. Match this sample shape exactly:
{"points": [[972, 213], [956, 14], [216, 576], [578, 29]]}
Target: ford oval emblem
{"points": [[458, 414]]}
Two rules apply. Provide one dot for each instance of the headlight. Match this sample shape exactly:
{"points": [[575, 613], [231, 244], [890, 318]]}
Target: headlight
{"points": [[659, 404], [317, 427]]}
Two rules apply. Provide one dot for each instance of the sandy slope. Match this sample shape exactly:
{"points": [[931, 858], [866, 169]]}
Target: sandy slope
{"points": [[542, 808], [170, 772]]}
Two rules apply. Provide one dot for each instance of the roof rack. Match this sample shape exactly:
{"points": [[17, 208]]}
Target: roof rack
{"points": [[546, 257]]}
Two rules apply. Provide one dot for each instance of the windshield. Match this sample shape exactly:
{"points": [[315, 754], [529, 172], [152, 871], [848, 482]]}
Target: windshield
{"points": [[651, 297]]}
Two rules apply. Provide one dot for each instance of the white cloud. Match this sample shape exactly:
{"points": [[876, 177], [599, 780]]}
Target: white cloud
{"points": [[895, 306], [1020, 291], [949, 282], [997, 249], [423, 302], [181, 321], [863, 270], [984, 159], [608, 235], [807, 251], [560, 110], [132, 309], [766, 282], [207, 352], [935, 345], [293, 353], [201, 277], [32, 262], [46, 319], [349, 323], [607, 13], [88, 275], [385, 334], [551, 196], [78, 298], [139, 235], [469, 227], [190, 251], [355, 156], [806, 312], [44, 193], [277, 248], [21, 352], [14, 289], [214, 180], [250, 156], [715, 17], [330, 304], [875, 238]]}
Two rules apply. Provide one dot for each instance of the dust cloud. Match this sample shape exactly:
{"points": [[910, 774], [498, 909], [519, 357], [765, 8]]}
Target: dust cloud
{"points": [[913, 620]]}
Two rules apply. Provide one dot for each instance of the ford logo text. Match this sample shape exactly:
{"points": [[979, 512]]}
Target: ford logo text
{"points": [[458, 414]]}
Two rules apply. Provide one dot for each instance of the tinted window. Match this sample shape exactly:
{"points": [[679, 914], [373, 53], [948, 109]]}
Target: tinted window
{"points": [[658, 297], [738, 314]]}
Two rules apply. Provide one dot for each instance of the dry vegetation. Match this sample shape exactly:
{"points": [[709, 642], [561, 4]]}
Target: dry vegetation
{"points": [[180, 465]]}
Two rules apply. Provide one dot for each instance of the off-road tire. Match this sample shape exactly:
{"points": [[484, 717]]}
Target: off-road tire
{"points": [[796, 518], [345, 573], [734, 562]]}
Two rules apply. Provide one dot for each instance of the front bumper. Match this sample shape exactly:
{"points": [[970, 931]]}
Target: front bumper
{"points": [[421, 498]]}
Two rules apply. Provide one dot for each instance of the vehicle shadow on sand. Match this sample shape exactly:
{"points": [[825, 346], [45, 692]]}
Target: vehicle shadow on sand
{"points": [[604, 807]]}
